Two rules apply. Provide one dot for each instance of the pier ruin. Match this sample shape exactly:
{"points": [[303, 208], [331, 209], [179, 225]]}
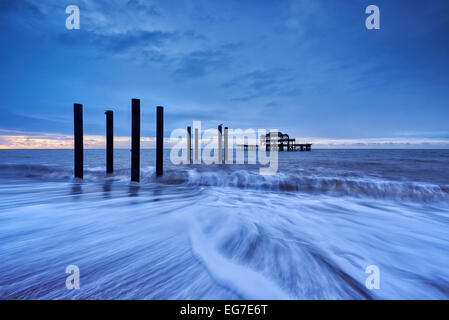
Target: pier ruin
{"points": [[277, 141]]}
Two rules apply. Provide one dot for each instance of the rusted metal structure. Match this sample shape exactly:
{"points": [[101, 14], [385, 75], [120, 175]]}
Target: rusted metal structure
{"points": [[283, 142]]}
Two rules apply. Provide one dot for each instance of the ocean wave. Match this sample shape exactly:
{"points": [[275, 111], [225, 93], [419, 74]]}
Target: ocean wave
{"points": [[341, 184], [320, 184], [240, 278]]}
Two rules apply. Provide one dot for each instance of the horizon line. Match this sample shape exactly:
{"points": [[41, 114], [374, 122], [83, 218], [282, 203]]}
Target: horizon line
{"points": [[22, 140]]}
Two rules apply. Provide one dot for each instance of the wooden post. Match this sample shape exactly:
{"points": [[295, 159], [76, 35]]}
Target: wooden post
{"points": [[135, 140], [109, 141], [159, 141], [268, 141], [226, 152], [196, 146], [220, 139], [189, 145], [78, 139]]}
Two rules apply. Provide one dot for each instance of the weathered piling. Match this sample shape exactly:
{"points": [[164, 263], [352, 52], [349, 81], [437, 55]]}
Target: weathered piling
{"points": [[189, 145], [78, 140], [226, 150], [135, 140], [196, 146], [159, 140], [220, 148], [109, 141]]}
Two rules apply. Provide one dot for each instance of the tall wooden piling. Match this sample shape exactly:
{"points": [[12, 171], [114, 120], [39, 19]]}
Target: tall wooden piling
{"points": [[226, 150], [196, 148], [159, 140], [109, 141], [135, 140], [220, 148], [189, 145], [78, 140]]}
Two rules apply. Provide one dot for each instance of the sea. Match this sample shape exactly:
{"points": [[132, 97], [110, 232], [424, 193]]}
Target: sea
{"points": [[330, 224]]}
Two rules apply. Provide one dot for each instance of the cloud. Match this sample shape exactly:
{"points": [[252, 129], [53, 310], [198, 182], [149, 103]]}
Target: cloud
{"points": [[264, 83], [133, 40], [160, 47], [144, 6], [203, 61], [425, 134], [19, 6], [376, 143], [320, 69], [21, 15], [10, 139], [13, 139], [199, 63], [137, 31], [303, 17]]}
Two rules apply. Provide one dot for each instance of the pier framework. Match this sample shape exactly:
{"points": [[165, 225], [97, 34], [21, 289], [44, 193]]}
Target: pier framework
{"points": [[280, 142]]}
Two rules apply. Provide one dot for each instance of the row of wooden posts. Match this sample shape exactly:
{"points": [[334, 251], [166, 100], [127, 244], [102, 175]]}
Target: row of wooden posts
{"points": [[135, 140]]}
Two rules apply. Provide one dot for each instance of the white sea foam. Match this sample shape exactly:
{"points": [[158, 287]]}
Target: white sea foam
{"points": [[242, 279]]}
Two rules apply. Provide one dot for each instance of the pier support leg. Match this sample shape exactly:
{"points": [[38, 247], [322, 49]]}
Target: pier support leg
{"points": [[220, 147], [189, 145], [226, 147], [135, 140], [78, 139], [109, 141], [159, 140], [196, 146]]}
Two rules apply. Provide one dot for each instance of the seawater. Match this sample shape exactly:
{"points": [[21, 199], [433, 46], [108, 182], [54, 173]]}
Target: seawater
{"points": [[226, 232]]}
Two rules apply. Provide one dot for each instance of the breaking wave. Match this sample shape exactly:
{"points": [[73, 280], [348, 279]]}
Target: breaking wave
{"points": [[343, 185]]}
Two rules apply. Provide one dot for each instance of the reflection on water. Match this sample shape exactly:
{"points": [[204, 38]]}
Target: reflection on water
{"points": [[133, 190], [107, 187], [76, 189]]}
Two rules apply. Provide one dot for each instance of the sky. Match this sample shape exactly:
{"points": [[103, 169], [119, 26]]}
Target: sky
{"points": [[309, 68]]}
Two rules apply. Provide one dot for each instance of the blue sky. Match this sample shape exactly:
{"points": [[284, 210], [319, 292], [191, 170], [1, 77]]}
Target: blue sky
{"points": [[306, 67]]}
